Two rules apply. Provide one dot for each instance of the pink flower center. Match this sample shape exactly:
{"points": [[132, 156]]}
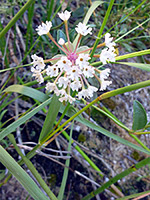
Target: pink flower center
{"points": [[72, 57]]}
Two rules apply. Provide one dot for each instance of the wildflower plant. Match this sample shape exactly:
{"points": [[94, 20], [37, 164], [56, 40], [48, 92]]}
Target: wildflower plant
{"points": [[66, 78], [71, 70]]}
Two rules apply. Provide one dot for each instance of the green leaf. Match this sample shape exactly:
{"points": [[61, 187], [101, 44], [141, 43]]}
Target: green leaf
{"points": [[125, 173], [142, 66], [20, 121], [66, 170], [16, 17], [26, 181], [103, 131], [30, 92], [61, 34], [139, 116], [50, 117], [113, 136], [83, 48]]}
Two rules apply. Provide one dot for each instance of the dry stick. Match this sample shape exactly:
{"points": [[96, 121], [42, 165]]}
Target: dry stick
{"points": [[63, 165]]}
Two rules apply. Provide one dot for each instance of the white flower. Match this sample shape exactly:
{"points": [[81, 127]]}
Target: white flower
{"points": [[61, 92], [88, 71], [63, 81], [51, 87], [108, 40], [67, 98], [38, 62], [71, 99], [44, 28], [64, 15], [76, 85], [61, 41], [83, 29], [104, 84], [91, 90], [83, 93], [87, 93], [52, 71], [104, 73], [82, 60], [38, 75], [74, 73], [64, 63], [107, 55]]}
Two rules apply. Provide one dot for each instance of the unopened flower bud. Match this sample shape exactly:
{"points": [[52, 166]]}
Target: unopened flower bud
{"points": [[61, 41]]}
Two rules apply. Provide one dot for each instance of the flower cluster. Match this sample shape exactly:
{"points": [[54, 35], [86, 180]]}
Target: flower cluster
{"points": [[71, 71]]}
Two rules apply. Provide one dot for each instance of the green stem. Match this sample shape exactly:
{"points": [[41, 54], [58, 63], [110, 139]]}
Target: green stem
{"points": [[112, 117], [139, 141]]}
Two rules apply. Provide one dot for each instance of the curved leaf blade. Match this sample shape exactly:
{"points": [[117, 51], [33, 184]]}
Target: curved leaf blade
{"points": [[21, 175], [104, 131], [139, 116], [142, 66], [20, 121], [30, 92], [50, 117]]}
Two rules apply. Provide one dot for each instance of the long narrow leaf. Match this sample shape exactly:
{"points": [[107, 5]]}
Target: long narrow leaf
{"points": [[141, 194], [113, 136], [16, 17], [65, 175], [32, 169], [30, 92], [20, 121], [142, 66], [118, 177], [103, 131], [50, 117], [21, 175]]}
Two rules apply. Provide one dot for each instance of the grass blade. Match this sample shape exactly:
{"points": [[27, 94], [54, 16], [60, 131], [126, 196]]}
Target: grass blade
{"points": [[102, 27], [21, 175], [30, 92], [50, 117], [118, 177], [65, 175], [142, 66], [20, 121], [16, 17]]}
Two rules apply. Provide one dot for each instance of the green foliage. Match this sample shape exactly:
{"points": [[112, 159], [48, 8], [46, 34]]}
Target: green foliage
{"points": [[52, 113], [139, 116], [21, 175]]}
